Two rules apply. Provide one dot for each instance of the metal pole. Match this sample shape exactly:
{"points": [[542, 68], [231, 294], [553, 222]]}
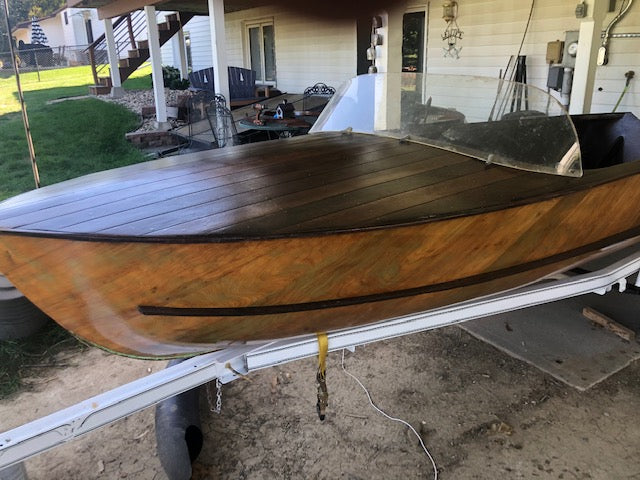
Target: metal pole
{"points": [[132, 37], [25, 118], [35, 59]]}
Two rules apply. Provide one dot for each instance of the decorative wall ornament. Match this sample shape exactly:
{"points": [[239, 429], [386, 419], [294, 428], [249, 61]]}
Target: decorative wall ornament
{"points": [[376, 39], [452, 32]]}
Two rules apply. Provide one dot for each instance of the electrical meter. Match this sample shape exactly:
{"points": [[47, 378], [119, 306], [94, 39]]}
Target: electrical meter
{"points": [[570, 49]]}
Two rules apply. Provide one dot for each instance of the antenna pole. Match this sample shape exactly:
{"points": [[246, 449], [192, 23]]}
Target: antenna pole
{"points": [[23, 106]]}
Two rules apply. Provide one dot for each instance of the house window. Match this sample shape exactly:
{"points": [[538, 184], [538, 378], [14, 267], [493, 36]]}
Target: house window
{"points": [[66, 19], [413, 42], [262, 51]]}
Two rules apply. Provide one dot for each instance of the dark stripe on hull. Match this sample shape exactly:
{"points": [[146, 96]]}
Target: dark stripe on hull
{"points": [[380, 297]]}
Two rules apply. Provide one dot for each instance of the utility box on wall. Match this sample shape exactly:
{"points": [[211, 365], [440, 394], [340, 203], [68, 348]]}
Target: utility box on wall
{"points": [[570, 49], [554, 80], [554, 51]]}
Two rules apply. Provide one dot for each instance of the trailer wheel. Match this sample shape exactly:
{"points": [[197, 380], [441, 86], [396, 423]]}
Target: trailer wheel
{"points": [[18, 316]]}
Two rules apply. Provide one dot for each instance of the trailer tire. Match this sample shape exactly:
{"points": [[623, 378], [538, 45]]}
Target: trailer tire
{"points": [[18, 316], [179, 436]]}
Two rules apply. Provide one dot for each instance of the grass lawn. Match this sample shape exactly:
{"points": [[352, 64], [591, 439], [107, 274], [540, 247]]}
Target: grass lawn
{"points": [[71, 138]]}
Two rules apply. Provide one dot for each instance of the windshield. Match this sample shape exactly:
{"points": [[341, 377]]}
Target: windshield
{"points": [[506, 123]]}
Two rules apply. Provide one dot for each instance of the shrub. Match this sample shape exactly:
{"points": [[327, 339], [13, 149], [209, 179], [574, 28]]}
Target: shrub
{"points": [[172, 80]]}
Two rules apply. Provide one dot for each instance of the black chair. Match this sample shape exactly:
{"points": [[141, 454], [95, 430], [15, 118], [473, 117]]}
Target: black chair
{"points": [[242, 84], [201, 79], [222, 125], [242, 87], [315, 98], [197, 105]]}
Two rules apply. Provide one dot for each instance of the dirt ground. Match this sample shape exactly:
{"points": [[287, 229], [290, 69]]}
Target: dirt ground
{"points": [[482, 414]]}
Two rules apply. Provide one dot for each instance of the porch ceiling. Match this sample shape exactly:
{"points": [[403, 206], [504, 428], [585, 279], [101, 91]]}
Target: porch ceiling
{"points": [[114, 8]]}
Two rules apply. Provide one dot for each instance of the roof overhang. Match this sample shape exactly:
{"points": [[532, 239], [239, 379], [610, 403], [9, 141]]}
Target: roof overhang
{"points": [[115, 8]]}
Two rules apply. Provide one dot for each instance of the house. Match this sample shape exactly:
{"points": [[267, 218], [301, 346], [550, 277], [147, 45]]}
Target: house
{"points": [[298, 53], [292, 49], [307, 50], [68, 31]]}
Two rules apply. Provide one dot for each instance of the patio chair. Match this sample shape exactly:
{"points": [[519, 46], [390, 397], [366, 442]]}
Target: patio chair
{"points": [[242, 85], [315, 98], [201, 79], [224, 128], [197, 105]]}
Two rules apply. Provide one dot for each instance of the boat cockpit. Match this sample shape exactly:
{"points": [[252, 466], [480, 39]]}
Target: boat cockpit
{"points": [[607, 139], [494, 120]]}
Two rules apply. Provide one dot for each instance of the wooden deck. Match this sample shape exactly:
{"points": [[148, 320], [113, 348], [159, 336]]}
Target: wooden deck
{"points": [[324, 183]]}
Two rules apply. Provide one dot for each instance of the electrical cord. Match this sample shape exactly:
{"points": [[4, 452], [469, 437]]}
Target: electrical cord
{"points": [[381, 412], [526, 28]]}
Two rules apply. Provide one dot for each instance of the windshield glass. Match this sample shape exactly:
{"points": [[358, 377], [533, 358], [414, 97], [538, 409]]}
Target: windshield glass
{"points": [[494, 120]]}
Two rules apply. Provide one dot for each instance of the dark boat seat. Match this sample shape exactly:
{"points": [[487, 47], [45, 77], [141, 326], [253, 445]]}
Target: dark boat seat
{"points": [[607, 139]]}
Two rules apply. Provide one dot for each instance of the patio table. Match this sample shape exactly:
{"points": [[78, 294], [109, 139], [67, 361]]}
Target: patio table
{"points": [[283, 128]]}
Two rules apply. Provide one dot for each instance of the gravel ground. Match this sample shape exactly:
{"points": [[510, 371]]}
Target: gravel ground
{"points": [[135, 100]]}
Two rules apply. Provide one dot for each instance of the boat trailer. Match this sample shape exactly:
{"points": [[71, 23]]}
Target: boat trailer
{"points": [[233, 362]]}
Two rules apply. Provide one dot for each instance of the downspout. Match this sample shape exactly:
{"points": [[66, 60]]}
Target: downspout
{"points": [[603, 52]]}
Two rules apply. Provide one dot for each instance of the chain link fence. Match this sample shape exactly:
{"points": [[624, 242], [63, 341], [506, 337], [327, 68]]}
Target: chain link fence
{"points": [[34, 57]]}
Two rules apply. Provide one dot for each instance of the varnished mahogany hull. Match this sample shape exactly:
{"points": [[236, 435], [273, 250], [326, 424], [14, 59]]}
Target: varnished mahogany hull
{"points": [[168, 296]]}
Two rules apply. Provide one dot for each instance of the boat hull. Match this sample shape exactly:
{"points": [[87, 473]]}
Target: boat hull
{"points": [[179, 296]]}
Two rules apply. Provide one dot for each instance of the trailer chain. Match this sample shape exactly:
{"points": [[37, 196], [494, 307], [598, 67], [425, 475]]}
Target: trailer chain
{"points": [[218, 406]]}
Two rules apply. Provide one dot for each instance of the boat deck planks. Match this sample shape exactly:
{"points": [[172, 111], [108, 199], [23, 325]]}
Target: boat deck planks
{"points": [[321, 184], [107, 186]]}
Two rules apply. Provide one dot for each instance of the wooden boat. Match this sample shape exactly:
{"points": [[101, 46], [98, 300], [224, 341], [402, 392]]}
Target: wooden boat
{"points": [[186, 254]]}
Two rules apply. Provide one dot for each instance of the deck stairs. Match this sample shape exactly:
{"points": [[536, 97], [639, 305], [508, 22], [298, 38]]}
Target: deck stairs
{"points": [[127, 29]]}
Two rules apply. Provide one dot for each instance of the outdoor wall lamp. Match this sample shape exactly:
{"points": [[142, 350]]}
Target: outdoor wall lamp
{"points": [[450, 11]]}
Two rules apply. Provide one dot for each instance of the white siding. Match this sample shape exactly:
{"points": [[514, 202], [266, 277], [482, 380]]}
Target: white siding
{"points": [[493, 31], [307, 50], [310, 50], [67, 29], [51, 28], [198, 28], [624, 55], [59, 34]]}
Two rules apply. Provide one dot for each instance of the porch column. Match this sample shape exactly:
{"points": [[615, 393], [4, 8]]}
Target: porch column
{"points": [[180, 48], [388, 55], [219, 47], [156, 68], [389, 60], [112, 52], [589, 42]]}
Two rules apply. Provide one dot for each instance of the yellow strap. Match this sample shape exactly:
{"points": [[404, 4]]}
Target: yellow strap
{"points": [[323, 348]]}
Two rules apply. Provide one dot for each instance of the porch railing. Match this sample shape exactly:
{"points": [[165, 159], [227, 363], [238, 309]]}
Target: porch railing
{"points": [[125, 31]]}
